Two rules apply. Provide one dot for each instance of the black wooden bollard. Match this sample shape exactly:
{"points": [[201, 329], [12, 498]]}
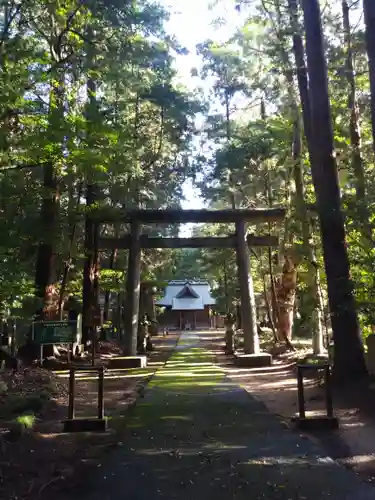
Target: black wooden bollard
{"points": [[328, 388], [101, 393], [320, 421], [301, 393], [72, 395]]}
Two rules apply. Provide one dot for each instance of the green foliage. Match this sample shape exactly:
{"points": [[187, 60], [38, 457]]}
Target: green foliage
{"points": [[27, 420], [87, 95], [251, 125]]}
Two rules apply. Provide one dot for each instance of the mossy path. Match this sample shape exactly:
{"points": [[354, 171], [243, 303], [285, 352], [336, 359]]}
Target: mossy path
{"points": [[198, 436]]}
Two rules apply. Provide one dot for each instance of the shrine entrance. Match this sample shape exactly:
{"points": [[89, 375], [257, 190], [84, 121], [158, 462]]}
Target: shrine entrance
{"points": [[240, 240]]}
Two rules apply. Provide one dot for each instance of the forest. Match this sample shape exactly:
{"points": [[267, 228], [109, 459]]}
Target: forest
{"points": [[94, 118]]}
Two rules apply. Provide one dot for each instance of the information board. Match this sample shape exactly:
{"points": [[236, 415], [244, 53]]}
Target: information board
{"points": [[54, 332]]}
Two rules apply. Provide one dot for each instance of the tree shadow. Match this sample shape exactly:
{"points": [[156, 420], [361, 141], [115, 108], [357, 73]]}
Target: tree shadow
{"points": [[222, 445]]}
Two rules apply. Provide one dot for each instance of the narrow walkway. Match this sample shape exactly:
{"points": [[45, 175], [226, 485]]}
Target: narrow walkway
{"points": [[197, 436]]}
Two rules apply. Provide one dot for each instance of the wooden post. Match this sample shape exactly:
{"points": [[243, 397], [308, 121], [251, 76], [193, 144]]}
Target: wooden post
{"points": [[317, 368], [71, 408], [195, 320], [301, 394], [133, 291], [248, 309], [328, 388], [101, 393], [93, 346]]}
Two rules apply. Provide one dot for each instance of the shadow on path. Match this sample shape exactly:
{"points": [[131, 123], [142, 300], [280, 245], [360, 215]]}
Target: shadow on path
{"points": [[198, 436]]}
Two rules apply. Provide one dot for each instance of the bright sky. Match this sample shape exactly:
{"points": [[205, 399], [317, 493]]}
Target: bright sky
{"points": [[191, 22]]}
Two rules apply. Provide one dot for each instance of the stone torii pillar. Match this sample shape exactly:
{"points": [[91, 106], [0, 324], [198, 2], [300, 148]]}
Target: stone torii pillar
{"points": [[252, 357], [248, 308], [133, 284]]}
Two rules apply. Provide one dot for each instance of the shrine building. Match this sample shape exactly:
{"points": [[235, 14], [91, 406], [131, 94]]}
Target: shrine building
{"points": [[188, 304]]}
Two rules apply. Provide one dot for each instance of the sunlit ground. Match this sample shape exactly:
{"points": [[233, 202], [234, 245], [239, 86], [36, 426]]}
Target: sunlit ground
{"points": [[198, 434], [193, 379]]}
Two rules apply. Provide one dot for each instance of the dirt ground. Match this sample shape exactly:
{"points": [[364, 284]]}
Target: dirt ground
{"points": [[43, 460], [37, 460], [198, 436], [352, 444]]}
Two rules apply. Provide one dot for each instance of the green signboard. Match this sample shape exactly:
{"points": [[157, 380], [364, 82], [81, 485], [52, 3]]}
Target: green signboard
{"points": [[54, 332]]}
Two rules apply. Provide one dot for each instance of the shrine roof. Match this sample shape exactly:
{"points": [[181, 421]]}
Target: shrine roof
{"points": [[186, 292], [187, 304]]}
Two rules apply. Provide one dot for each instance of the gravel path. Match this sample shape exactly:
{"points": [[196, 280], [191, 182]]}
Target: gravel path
{"points": [[197, 436]]}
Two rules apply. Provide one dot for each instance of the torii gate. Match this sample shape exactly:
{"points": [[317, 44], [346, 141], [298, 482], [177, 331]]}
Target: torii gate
{"points": [[240, 241]]}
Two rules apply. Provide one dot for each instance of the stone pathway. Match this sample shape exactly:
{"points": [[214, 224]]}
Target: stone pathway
{"points": [[198, 436]]}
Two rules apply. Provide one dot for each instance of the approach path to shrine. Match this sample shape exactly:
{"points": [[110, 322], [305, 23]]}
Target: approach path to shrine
{"points": [[196, 435]]}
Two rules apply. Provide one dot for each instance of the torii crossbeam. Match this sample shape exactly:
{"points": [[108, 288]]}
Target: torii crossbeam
{"points": [[108, 243], [177, 216]]}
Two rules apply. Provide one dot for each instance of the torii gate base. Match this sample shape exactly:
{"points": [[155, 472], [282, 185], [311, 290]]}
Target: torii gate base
{"points": [[258, 360], [122, 362]]}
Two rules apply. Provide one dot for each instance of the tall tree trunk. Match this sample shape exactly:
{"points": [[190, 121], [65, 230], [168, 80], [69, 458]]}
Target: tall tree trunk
{"points": [[226, 294], [73, 214], [266, 294], [45, 273], [355, 133], [286, 292], [228, 138], [316, 307], [269, 197], [90, 290], [90, 269], [302, 78], [227, 115], [248, 305], [143, 299], [349, 361], [369, 11], [282, 289], [146, 304], [6, 24], [114, 254], [107, 295]]}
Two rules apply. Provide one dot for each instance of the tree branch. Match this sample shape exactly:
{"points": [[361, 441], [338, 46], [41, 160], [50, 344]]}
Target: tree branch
{"points": [[8, 22]]}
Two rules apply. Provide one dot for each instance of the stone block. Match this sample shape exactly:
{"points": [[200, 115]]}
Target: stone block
{"points": [[85, 425], [122, 362], [316, 423], [253, 360]]}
